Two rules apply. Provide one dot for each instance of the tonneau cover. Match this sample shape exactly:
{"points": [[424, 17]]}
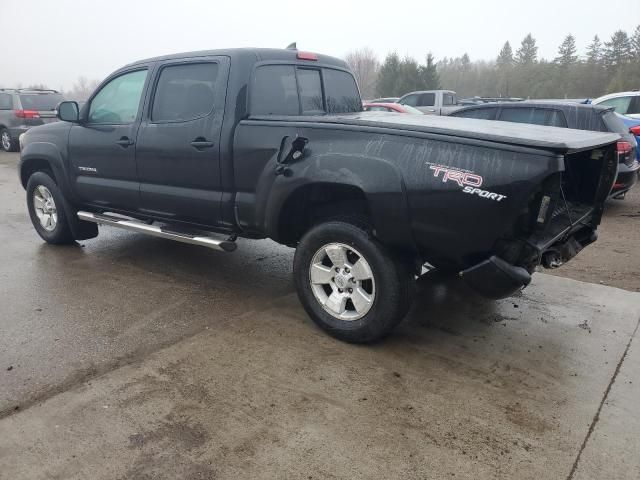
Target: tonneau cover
{"points": [[561, 140]]}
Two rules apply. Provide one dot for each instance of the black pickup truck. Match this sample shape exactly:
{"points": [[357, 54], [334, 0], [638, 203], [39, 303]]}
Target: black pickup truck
{"points": [[259, 143]]}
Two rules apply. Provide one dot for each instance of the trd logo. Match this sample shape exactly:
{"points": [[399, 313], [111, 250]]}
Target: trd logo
{"points": [[460, 177]]}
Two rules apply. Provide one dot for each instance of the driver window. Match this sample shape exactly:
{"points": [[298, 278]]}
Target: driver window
{"points": [[119, 100]]}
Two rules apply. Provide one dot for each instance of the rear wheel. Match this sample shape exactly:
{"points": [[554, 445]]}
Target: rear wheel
{"points": [[7, 143], [349, 284], [44, 201]]}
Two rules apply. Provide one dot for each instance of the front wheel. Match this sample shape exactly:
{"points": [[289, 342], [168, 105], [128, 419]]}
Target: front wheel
{"points": [[349, 284], [44, 201]]}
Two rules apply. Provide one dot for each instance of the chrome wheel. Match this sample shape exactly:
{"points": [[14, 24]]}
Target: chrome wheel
{"points": [[45, 208], [342, 281], [6, 141]]}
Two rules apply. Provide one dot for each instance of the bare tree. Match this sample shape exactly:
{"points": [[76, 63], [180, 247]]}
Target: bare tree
{"points": [[82, 89], [364, 65]]}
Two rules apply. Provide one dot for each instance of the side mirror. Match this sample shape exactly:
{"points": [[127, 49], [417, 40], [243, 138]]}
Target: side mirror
{"points": [[69, 112]]}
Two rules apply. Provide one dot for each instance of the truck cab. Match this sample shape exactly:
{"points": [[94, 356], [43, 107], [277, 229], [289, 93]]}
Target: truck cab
{"points": [[431, 102]]}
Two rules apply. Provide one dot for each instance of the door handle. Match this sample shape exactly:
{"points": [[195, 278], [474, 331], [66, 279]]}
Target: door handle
{"points": [[124, 142], [201, 143]]}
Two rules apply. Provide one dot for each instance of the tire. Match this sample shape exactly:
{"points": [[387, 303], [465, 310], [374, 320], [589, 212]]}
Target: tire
{"points": [[378, 292], [7, 143], [45, 201]]}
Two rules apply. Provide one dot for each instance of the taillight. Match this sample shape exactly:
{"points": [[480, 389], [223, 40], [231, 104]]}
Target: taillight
{"points": [[623, 151], [307, 56], [27, 114], [635, 130]]}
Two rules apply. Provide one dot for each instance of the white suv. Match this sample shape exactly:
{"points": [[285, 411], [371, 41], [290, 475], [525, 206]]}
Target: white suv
{"points": [[625, 103]]}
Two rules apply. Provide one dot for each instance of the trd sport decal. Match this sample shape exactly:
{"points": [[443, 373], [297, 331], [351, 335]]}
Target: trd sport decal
{"points": [[468, 180]]}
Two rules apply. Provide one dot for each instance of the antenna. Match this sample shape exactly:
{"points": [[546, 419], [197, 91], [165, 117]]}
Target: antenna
{"points": [[292, 46]]}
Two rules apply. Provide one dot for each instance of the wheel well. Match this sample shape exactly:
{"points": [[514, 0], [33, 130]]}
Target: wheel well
{"points": [[32, 166], [310, 204]]}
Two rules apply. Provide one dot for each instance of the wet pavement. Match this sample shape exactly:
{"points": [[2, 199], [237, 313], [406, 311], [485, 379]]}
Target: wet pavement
{"points": [[134, 357]]}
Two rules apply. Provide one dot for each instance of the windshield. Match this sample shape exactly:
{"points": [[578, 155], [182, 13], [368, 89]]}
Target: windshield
{"points": [[40, 102]]}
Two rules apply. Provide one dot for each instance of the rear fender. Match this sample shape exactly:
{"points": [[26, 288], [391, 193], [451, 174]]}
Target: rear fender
{"points": [[378, 179]]}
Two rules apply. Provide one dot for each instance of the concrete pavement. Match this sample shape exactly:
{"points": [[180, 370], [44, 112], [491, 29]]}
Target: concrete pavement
{"points": [[139, 358]]}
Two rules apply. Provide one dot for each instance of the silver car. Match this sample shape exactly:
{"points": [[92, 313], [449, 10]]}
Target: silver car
{"points": [[21, 109]]}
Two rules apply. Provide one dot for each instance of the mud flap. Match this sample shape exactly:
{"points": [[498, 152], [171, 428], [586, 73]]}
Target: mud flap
{"points": [[494, 278], [81, 230]]}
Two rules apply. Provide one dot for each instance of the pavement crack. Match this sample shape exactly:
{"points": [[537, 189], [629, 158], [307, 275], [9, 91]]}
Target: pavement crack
{"points": [[596, 417]]}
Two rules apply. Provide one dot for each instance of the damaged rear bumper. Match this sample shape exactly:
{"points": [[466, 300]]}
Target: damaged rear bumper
{"points": [[497, 278]]}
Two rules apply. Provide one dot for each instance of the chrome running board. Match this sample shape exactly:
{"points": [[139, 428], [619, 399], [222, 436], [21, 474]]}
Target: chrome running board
{"points": [[135, 226]]}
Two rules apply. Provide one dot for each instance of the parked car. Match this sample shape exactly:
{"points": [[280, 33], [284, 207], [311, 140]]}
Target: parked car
{"points": [[625, 103], [263, 143], [21, 109], [570, 115], [432, 102], [390, 107], [633, 124], [384, 100]]}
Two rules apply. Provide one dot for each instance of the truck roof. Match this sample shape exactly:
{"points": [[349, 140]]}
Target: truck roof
{"points": [[258, 55]]}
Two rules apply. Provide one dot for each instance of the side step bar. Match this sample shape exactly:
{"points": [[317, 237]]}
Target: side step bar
{"points": [[209, 242]]}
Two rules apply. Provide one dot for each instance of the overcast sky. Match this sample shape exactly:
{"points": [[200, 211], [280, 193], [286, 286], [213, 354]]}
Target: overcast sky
{"points": [[56, 41]]}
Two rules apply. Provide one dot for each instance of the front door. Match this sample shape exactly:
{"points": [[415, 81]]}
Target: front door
{"points": [[102, 147], [178, 145]]}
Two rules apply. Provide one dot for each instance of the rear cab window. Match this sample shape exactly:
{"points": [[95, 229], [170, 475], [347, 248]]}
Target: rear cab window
{"points": [[448, 99], [302, 90]]}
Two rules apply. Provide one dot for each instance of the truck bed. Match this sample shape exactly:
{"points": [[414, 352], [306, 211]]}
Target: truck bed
{"points": [[560, 140]]}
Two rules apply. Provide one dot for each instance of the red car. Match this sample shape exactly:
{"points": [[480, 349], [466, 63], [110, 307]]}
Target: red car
{"points": [[391, 107]]}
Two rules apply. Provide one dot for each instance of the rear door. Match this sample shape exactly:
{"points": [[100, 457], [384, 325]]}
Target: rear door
{"points": [[102, 147], [178, 146]]}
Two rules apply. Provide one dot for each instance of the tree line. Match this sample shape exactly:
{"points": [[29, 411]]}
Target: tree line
{"points": [[606, 66]]}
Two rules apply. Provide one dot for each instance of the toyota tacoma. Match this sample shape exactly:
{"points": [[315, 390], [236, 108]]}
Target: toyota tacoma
{"points": [[209, 146]]}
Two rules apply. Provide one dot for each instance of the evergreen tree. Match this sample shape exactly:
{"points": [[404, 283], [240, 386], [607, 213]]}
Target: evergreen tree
{"points": [[388, 76], [567, 52], [635, 43], [429, 74], [594, 51], [618, 49], [527, 54], [505, 58], [465, 63]]}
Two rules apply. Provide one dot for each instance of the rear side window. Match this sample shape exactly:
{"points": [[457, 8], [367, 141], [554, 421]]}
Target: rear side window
{"points": [[184, 92], [535, 116], [310, 87], [479, 113], [274, 91], [341, 92], [620, 104], [40, 102], [6, 102], [555, 118], [427, 100]]}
